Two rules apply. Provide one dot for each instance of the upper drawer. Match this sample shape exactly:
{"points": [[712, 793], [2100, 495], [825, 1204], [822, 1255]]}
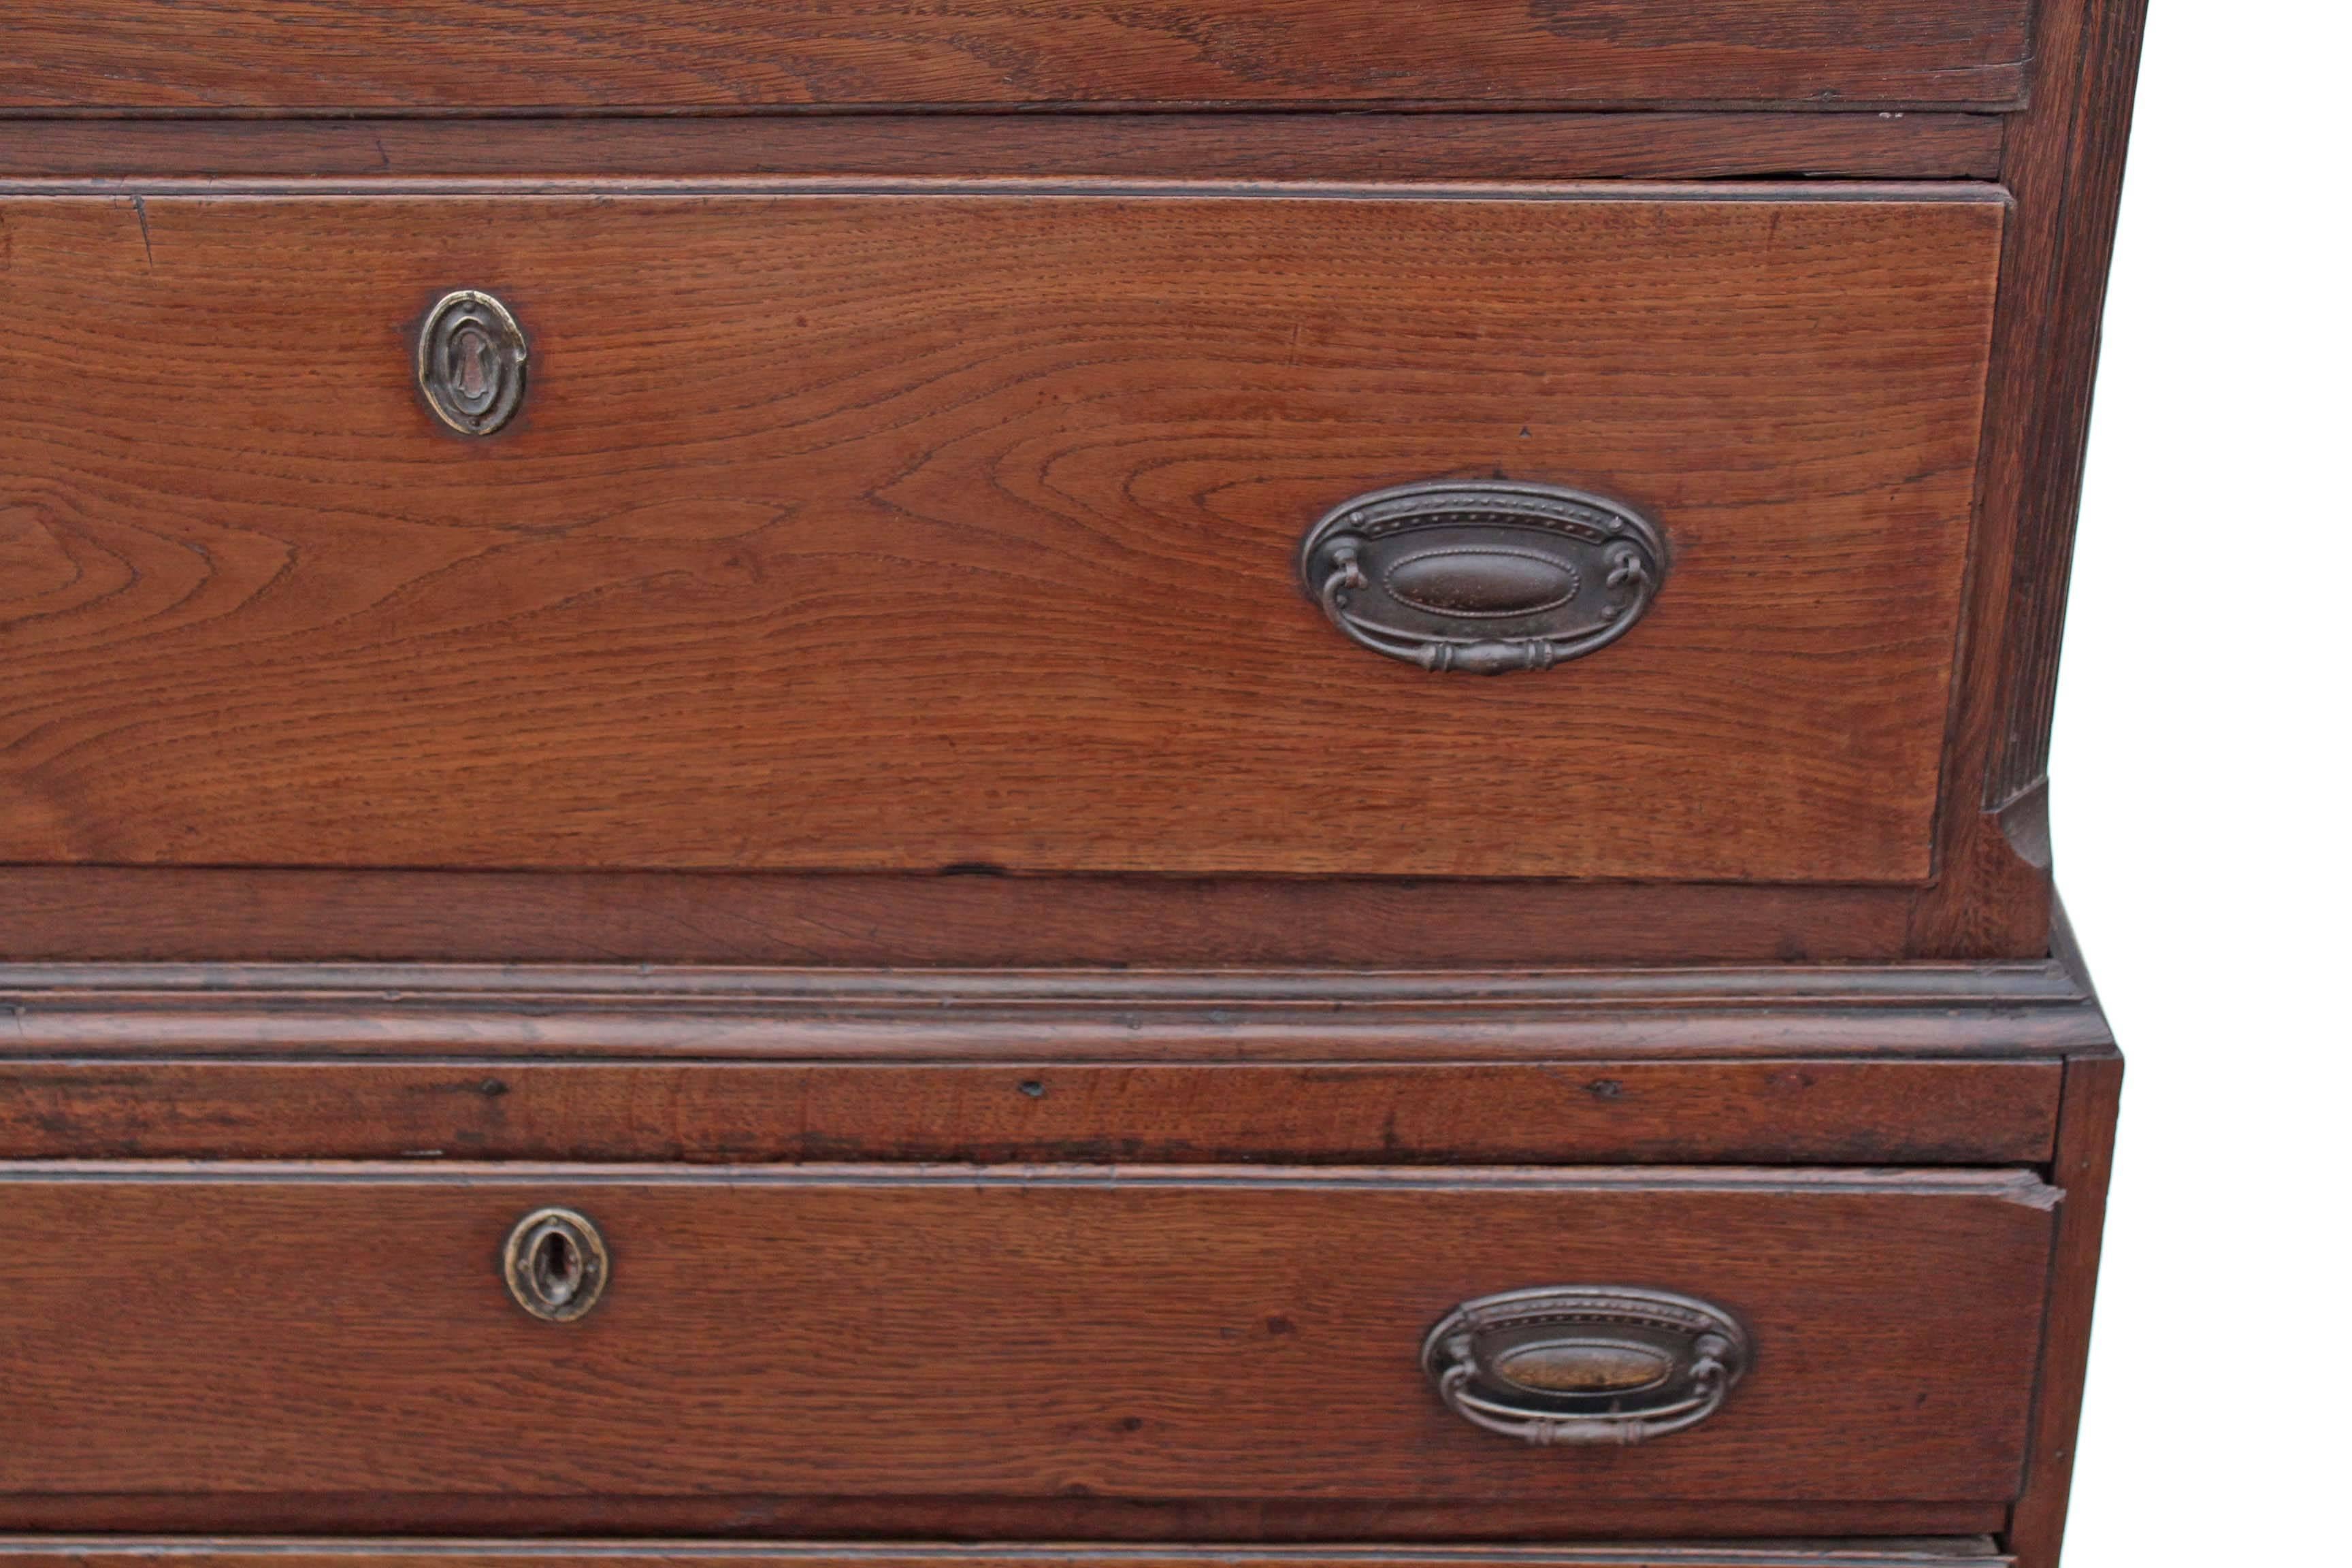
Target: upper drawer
{"points": [[929, 528], [625, 54], [1854, 1337]]}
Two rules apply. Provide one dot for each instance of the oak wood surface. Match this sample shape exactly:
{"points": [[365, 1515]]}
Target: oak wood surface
{"points": [[930, 527], [97, 1552], [2084, 1160], [1609, 1076], [1015, 1330], [2064, 158], [1657, 145], [1220, 1521], [166, 914], [2065, 266], [734, 54], [1801, 1112]]}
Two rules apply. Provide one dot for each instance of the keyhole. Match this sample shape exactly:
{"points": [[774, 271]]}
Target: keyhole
{"points": [[474, 369], [473, 364], [555, 1270]]}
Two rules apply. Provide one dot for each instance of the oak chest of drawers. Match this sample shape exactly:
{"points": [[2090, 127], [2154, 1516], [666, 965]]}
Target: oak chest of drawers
{"points": [[888, 785]]}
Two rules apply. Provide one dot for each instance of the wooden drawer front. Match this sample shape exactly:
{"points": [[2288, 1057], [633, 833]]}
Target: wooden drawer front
{"points": [[396, 53], [907, 530], [903, 1332]]}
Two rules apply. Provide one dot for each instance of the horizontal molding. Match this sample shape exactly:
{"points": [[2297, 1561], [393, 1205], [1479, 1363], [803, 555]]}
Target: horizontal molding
{"points": [[1851, 1112], [2016, 1187], [589, 1011], [1259, 145], [341, 188]]}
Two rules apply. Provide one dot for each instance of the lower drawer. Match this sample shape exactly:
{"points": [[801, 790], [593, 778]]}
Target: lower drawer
{"points": [[909, 1332]]}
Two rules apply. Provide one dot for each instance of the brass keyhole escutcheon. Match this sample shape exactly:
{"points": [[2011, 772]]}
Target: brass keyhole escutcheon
{"points": [[556, 1264], [471, 360]]}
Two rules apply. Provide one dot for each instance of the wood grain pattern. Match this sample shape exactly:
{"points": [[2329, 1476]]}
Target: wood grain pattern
{"points": [[93, 1552], [2064, 160], [922, 529], [226, 550], [1801, 1111], [736, 54], [2084, 1160], [1014, 1331], [2087, 156], [1216, 1522], [166, 914], [1658, 145]]}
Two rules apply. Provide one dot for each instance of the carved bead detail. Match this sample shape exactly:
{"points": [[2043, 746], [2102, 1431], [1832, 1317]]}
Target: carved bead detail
{"points": [[1483, 577]]}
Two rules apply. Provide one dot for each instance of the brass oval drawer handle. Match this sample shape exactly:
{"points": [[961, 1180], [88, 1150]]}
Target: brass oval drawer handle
{"points": [[1611, 1363], [470, 360], [1483, 576], [556, 1264]]}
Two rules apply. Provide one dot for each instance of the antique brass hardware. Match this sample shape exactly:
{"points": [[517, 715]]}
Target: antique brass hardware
{"points": [[1613, 1364], [556, 1264], [470, 360], [1483, 576]]}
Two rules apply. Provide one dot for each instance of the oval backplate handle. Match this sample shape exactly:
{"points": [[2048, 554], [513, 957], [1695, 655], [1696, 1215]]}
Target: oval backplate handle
{"points": [[470, 362], [1483, 575], [556, 1264], [1613, 1364]]}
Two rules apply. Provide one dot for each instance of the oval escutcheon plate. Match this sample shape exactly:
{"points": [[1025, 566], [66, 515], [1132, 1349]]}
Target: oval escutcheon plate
{"points": [[1483, 575], [470, 362]]}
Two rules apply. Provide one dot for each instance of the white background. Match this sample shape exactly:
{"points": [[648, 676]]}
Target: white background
{"points": [[2201, 787]]}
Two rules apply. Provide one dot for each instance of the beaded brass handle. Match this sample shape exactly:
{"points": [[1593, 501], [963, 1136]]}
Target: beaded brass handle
{"points": [[1614, 1364], [1483, 576]]}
